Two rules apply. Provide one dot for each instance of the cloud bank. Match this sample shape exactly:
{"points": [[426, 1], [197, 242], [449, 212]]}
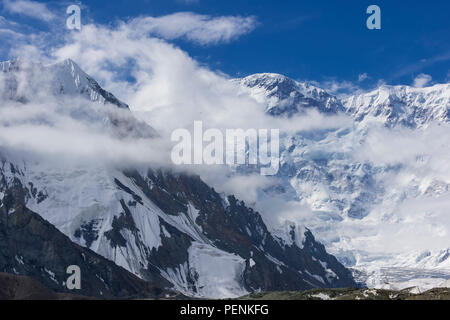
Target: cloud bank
{"points": [[168, 89]]}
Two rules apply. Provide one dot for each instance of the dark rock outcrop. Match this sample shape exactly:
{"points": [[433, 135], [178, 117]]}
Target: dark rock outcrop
{"points": [[31, 246]]}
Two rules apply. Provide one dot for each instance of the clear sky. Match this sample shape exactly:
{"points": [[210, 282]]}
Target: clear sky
{"points": [[321, 40]]}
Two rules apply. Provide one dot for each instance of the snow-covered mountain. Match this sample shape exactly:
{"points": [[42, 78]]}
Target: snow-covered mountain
{"points": [[284, 96], [31, 246], [378, 204], [375, 192], [155, 223], [401, 105], [65, 78]]}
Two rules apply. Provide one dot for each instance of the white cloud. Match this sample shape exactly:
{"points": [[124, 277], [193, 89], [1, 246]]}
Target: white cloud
{"points": [[247, 187], [422, 80], [336, 87], [49, 129], [198, 28], [415, 162], [168, 83], [29, 8], [10, 33], [406, 146], [362, 77]]}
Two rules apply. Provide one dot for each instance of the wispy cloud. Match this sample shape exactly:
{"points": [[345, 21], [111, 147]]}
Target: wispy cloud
{"points": [[337, 87], [202, 29], [10, 33], [29, 8], [363, 76], [422, 64]]}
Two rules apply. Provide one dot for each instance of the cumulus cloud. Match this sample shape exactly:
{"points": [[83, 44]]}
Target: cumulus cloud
{"points": [[50, 129], [169, 90], [415, 166], [168, 82], [410, 148], [422, 80], [35, 118], [29, 8]]}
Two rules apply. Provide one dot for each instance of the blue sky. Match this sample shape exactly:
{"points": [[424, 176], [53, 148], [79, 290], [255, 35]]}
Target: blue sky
{"points": [[322, 40]]}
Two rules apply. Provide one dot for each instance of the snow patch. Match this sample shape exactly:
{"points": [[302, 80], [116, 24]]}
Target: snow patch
{"points": [[219, 274]]}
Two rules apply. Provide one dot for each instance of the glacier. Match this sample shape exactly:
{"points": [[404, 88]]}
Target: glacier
{"points": [[375, 192]]}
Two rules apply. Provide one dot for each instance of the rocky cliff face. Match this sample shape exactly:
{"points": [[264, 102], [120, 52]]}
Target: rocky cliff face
{"points": [[31, 246], [172, 229]]}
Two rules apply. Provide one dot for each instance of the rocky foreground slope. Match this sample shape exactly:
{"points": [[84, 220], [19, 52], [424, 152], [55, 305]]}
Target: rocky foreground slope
{"points": [[31, 246], [354, 294], [14, 287]]}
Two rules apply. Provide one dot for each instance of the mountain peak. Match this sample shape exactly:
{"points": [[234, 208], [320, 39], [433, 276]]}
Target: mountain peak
{"points": [[287, 97], [64, 77], [72, 79], [70, 65], [266, 79], [404, 105]]}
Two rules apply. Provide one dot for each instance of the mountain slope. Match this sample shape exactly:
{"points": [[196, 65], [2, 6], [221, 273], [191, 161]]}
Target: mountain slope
{"points": [[376, 203], [157, 223], [162, 223], [286, 97], [14, 287], [31, 246], [401, 105]]}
